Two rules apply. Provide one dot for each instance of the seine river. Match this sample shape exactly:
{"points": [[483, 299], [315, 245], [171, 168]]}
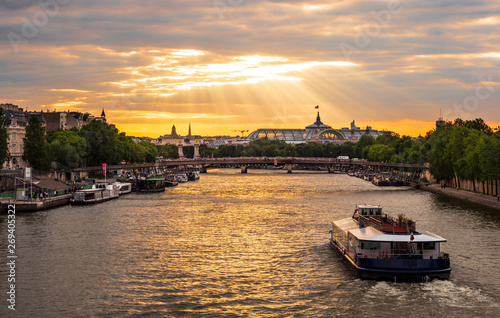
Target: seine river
{"points": [[233, 245]]}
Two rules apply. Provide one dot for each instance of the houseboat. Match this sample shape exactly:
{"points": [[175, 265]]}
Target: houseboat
{"points": [[98, 193], [381, 181], [151, 185], [382, 247]]}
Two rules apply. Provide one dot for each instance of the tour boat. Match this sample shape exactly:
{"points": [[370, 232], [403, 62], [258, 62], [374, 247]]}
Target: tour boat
{"points": [[97, 194], [382, 247]]}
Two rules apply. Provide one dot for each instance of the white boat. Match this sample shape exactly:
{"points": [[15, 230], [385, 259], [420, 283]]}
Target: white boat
{"points": [[381, 247], [193, 175], [182, 177], [123, 187], [98, 193]]}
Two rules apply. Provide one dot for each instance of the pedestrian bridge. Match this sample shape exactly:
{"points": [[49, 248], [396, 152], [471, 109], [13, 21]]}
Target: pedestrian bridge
{"points": [[330, 164]]}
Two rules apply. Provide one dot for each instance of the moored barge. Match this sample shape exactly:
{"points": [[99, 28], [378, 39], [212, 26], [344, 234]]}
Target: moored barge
{"points": [[98, 193], [382, 247]]}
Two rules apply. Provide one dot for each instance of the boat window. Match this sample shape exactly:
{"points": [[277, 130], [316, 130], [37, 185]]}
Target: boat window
{"points": [[370, 245], [430, 246], [378, 211], [364, 211], [427, 246]]}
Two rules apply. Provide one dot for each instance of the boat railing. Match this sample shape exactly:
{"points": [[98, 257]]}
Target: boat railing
{"points": [[371, 221], [379, 222]]}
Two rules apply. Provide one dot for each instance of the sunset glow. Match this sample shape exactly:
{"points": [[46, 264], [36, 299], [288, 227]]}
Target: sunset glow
{"points": [[231, 65]]}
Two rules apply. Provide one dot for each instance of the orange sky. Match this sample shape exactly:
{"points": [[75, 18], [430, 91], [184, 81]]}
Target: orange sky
{"points": [[227, 66]]}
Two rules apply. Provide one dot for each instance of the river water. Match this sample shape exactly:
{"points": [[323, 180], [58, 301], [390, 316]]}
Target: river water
{"points": [[233, 245]]}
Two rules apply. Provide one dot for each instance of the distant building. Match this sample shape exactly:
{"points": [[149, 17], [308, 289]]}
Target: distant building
{"points": [[175, 139], [440, 122], [66, 120], [316, 132], [17, 120]]}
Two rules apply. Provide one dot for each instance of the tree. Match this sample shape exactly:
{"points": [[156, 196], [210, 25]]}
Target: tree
{"points": [[381, 152], [103, 143], [150, 152], [4, 138], [170, 151], [347, 149], [35, 147], [489, 158], [69, 137], [438, 157], [65, 155], [363, 146]]}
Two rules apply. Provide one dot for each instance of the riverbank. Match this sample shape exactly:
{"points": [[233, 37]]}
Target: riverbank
{"points": [[36, 204], [479, 198]]}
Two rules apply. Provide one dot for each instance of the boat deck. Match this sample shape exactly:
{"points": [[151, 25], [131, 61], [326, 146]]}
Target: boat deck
{"points": [[390, 228]]}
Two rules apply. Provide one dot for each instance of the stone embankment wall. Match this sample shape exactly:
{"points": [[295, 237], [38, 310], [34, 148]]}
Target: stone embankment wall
{"points": [[489, 187]]}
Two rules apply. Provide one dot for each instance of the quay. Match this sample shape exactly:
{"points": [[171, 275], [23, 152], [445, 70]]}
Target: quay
{"points": [[479, 198], [35, 204]]}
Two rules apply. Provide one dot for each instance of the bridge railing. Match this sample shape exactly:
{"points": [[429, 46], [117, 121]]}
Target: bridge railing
{"points": [[278, 161]]}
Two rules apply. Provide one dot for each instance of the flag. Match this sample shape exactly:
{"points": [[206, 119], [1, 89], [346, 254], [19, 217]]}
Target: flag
{"points": [[317, 106], [103, 169], [411, 236]]}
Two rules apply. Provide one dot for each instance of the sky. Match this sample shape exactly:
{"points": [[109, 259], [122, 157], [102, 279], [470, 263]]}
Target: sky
{"points": [[227, 66]]}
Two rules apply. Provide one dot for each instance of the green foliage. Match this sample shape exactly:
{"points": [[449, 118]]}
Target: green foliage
{"points": [[465, 149], [103, 144], [36, 150], [347, 149], [150, 151], [4, 138], [206, 152], [363, 146], [65, 156], [69, 137], [381, 152], [169, 151]]}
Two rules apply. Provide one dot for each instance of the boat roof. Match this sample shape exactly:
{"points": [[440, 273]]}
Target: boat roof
{"points": [[369, 206], [154, 179], [91, 190], [371, 234], [346, 224]]}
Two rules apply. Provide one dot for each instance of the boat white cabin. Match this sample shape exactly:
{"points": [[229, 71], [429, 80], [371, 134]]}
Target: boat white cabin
{"points": [[123, 187], [98, 193]]}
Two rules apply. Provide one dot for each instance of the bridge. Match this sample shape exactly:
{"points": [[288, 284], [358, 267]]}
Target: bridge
{"points": [[203, 164]]}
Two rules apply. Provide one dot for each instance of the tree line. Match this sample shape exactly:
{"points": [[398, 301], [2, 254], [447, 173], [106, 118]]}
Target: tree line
{"points": [[459, 150]]}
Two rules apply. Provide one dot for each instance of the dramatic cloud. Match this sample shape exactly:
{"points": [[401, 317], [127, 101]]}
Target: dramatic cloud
{"points": [[224, 65]]}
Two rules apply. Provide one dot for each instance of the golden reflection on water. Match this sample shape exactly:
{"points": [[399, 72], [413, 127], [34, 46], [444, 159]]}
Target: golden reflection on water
{"points": [[227, 246]]}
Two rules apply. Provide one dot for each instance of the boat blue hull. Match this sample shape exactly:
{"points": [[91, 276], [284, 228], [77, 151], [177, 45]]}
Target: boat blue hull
{"points": [[399, 270]]}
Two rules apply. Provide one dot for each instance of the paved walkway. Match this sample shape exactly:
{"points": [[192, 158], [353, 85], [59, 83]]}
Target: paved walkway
{"points": [[483, 199]]}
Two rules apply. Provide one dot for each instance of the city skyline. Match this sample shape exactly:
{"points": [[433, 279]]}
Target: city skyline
{"points": [[229, 65]]}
